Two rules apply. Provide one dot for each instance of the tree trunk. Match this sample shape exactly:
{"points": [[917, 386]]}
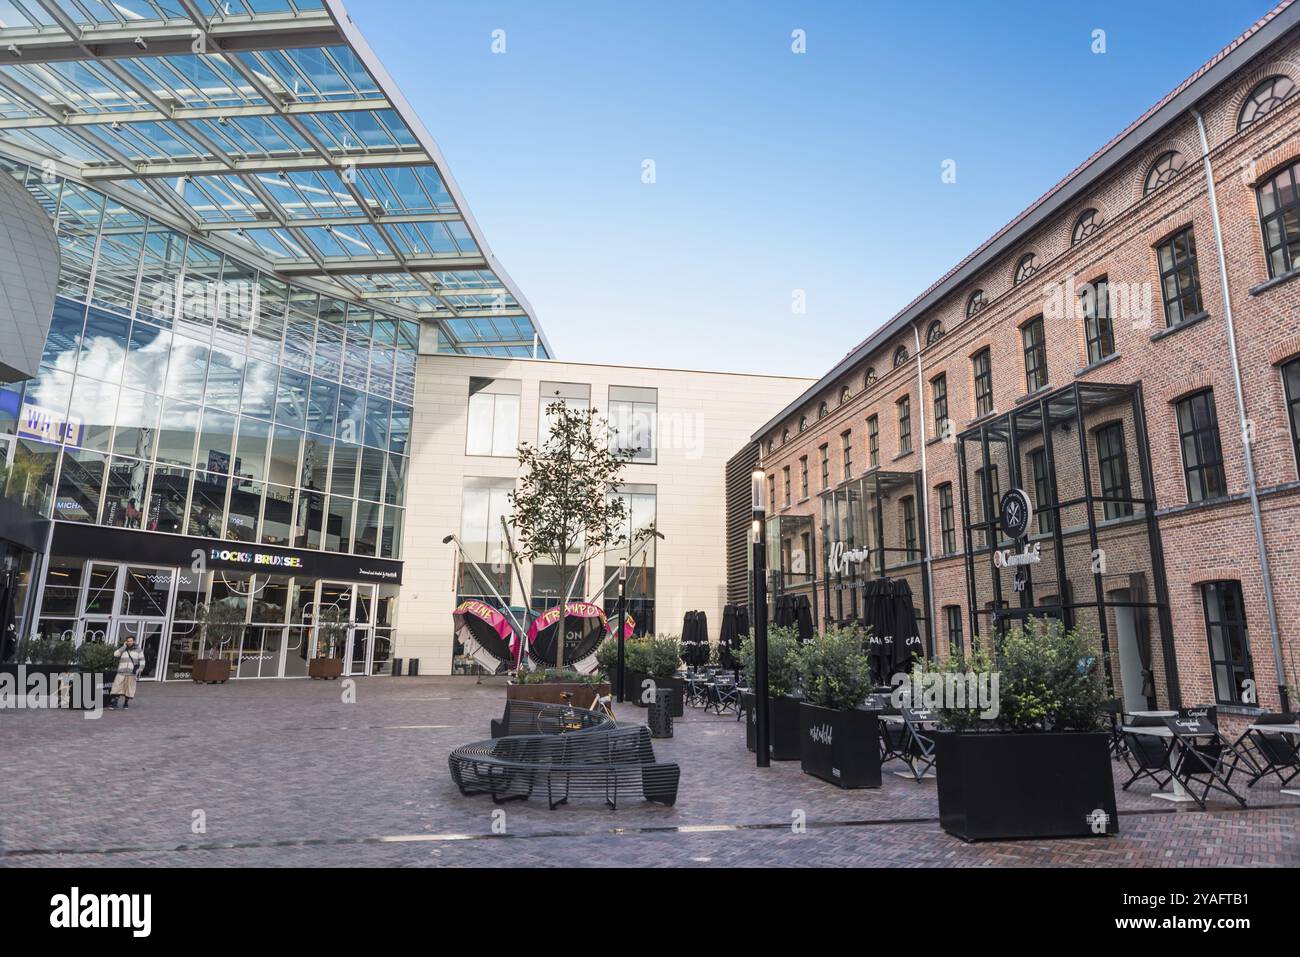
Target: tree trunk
{"points": [[559, 628]]}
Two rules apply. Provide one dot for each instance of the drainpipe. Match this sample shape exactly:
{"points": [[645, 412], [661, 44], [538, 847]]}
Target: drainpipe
{"points": [[1241, 418], [928, 557]]}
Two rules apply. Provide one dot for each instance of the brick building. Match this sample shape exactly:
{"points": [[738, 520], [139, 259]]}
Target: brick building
{"points": [[1127, 352]]}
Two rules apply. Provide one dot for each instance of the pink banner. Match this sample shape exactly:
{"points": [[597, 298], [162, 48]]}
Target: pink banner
{"points": [[577, 609]]}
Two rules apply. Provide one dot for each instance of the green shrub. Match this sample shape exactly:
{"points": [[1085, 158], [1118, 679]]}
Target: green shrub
{"points": [[836, 673], [557, 676], [96, 656], [607, 655], [47, 651], [659, 657], [783, 674], [1049, 679]]}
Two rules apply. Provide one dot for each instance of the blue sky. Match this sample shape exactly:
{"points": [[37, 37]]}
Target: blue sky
{"points": [[774, 172]]}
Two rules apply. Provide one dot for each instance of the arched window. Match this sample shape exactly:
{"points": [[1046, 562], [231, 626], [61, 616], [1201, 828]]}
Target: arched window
{"points": [[785, 436], [900, 356], [771, 445], [844, 394], [1166, 167], [822, 411], [1027, 266], [934, 333], [803, 422], [870, 377], [1265, 98], [1089, 222], [975, 303]]}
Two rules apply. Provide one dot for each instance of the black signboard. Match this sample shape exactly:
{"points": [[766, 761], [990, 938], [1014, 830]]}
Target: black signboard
{"points": [[156, 548], [1015, 513]]}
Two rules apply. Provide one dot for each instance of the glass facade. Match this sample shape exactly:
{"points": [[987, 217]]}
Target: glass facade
{"points": [[182, 391]]}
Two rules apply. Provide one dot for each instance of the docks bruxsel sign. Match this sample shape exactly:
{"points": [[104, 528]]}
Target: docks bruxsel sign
{"points": [[255, 558]]}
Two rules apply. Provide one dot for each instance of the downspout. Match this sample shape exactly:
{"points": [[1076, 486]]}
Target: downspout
{"points": [[1242, 421], [928, 558]]}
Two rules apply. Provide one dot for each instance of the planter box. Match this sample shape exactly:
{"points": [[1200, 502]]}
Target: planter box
{"points": [[842, 747], [211, 671], [1013, 786], [582, 695], [636, 688], [325, 668], [51, 674], [783, 735]]}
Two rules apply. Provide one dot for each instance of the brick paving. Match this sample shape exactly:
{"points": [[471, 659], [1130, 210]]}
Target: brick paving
{"points": [[285, 773]]}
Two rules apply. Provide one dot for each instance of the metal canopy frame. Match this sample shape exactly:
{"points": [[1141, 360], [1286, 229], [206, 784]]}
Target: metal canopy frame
{"points": [[1062, 411], [269, 129]]}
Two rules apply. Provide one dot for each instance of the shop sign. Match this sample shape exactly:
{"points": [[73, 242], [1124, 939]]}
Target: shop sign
{"points": [[47, 426], [841, 558], [1015, 513], [1010, 558], [255, 558]]}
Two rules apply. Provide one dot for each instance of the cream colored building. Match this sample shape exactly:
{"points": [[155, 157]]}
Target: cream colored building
{"points": [[463, 462]]}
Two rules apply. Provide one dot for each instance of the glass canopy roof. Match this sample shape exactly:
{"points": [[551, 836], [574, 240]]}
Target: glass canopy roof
{"points": [[269, 128]]}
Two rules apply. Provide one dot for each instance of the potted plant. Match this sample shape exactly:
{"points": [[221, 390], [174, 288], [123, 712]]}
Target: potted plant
{"points": [[652, 664], [96, 658], [221, 625], [783, 690], [839, 740], [331, 642], [1031, 760], [557, 686]]}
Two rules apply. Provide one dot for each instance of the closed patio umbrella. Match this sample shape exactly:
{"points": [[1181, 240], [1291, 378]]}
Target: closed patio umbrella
{"points": [[907, 636], [803, 617], [878, 615]]}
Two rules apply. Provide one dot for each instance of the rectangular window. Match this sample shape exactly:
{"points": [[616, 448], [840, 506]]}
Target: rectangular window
{"points": [[1180, 282], [909, 525], [826, 467], [785, 484], [947, 528], [1097, 326], [1291, 381], [484, 502], [803, 477], [873, 440], [939, 390], [983, 363], [1031, 335], [771, 492], [904, 425], [1198, 434], [846, 444], [1112, 461], [1225, 627], [1279, 218], [493, 417], [572, 395], [1042, 492], [988, 516], [633, 415], [953, 614]]}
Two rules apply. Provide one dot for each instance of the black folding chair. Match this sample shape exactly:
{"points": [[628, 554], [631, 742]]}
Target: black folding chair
{"points": [[1115, 709], [893, 735], [909, 741], [1202, 758], [724, 696], [1146, 755], [1271, 752]]}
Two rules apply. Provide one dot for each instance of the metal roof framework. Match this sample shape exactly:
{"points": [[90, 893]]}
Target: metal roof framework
{"points": [[269, 129]]}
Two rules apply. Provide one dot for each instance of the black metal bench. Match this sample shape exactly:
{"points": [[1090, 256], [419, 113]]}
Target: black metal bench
{"points": [[600, 759], [535, 717]]}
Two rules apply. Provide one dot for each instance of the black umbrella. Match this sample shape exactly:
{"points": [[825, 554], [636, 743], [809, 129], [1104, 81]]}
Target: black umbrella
{"points": [[783, 616], [907, 636], [803, 617], [878, 615], [728, 638]]}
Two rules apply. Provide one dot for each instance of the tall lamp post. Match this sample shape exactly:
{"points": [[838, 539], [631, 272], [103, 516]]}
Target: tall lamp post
{"points": [[759, 538], [619, 617]]}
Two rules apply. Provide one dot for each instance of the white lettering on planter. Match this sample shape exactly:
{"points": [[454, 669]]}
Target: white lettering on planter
{"points": [[820, 734]]}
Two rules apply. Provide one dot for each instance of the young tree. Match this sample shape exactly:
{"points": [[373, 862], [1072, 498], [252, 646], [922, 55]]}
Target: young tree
{"points": [[563, 508]]}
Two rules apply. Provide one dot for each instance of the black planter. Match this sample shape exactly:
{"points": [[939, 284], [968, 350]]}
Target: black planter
{"points": [[783, 735], [842, 747], [49, 671], [636, 688], [1015, 786]]}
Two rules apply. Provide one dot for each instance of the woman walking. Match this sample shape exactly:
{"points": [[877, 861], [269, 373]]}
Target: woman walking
{"points": [[130, 662]]}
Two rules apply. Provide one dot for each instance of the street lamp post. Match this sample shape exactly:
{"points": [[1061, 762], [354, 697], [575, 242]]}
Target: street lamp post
{"points": [[619, 617], [759, 539]]}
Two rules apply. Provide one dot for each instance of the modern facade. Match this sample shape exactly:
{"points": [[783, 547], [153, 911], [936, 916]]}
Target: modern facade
{"points": [[255, 234], [1125, 351], [471, 414]]}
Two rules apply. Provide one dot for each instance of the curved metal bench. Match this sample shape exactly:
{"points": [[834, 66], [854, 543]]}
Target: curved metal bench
{"points": [[599, 759], [534, 717]]}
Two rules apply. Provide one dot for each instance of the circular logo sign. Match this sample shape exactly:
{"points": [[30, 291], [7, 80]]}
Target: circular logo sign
{"points": [[1015, 512]]}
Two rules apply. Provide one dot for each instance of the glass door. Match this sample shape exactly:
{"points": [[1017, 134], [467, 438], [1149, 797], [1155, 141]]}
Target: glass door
{"points": [[148, 637], [362, 631]]}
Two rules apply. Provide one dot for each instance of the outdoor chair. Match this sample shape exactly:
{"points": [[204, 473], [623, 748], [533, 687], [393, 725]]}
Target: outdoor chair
{"points": [[1114, 708], [1271, 753], [723, 696], [1202, 758], [893, 735], [1147, 756], [908, 741]]}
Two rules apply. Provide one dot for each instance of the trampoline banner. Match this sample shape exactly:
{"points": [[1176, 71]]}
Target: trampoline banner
{"points": [[629, 627], [576, 609], [480, 620]]}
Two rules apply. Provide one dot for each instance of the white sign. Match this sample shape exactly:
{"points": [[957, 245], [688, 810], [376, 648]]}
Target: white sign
{"points": [[47, 426], [1010, 558], [840, 558]]}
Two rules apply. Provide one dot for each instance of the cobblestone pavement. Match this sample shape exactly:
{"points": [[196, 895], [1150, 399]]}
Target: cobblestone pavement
{"points": [[285, 773]]}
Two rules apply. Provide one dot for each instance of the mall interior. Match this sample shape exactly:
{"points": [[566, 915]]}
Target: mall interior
{"points": [[257, 353]]}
